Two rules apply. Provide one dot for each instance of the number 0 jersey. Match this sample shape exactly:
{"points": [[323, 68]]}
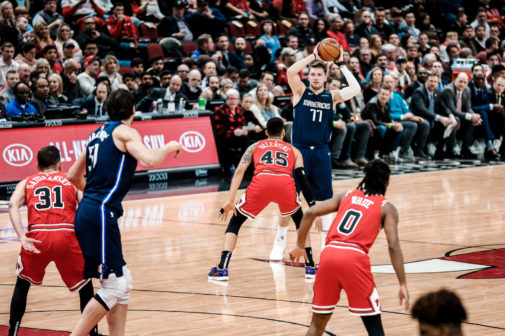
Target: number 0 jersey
{"points": [[273, 156], [358, 220], [51, 201]]}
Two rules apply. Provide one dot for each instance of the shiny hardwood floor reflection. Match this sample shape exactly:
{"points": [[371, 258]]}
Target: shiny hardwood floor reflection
{"points": [[171, 243]]}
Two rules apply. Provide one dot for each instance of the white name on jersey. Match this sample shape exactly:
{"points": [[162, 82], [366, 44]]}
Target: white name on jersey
{"points": [[361, 201], [320, 105]]}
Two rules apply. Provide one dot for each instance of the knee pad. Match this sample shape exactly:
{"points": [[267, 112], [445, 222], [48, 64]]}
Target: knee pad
{"points": [[235, 223], [115, 290]]}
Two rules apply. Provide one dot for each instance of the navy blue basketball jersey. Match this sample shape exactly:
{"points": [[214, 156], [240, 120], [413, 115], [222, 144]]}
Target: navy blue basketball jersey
{"points": [[312, 119], [109, 171]]}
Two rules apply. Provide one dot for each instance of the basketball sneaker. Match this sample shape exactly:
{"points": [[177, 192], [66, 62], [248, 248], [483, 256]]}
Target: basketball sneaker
{"points": [[278, 249], [310, 272], [217, 273]]}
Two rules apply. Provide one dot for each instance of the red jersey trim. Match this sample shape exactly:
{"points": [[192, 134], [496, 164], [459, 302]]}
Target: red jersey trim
{"points": [[346, 246]]}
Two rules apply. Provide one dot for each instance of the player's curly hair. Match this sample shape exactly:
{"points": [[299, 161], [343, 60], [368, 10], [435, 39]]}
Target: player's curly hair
{"points": [[376, 177], [440, 307]]}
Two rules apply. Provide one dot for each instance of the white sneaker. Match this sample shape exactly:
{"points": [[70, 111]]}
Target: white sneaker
{"points": [[278, 249]]}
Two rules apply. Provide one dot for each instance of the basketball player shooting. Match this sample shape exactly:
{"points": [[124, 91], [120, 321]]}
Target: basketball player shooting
{"points": [[313, 117]]}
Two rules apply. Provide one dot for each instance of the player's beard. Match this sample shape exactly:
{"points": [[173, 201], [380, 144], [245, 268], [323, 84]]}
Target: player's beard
{"points": [[316, 88]]}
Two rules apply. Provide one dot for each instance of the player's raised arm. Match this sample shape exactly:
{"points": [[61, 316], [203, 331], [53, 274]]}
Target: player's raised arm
{"points": [[390, 220], [349, 91], [148, 158], [245, 161], [294, 81], [15, 203]]}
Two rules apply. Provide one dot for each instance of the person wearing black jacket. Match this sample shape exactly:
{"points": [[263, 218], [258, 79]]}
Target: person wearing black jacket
{"points": [[426, 103], [497, 119], [302, 30], [170, 25], [422, 74]]}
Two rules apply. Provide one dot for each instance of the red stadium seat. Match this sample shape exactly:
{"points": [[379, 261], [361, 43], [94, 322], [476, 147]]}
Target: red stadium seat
{"points": [[248, 47], [188, 47], [253, 29], [148, 33], [154, 49], [236, 30], [123, 70]]}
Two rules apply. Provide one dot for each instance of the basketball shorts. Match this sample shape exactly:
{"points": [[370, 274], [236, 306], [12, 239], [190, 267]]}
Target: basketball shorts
{"points": [[101, 249], [317, 166], [58, 246], [266, 188], [343, 266]]}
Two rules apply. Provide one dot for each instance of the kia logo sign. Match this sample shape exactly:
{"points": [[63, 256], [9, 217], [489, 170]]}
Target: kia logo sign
{"points": [[18, 155], [192, 141]]}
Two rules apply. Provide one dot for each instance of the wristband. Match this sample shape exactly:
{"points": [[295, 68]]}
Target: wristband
{"points": [[315, 57], [339, 63], [389, 125]]}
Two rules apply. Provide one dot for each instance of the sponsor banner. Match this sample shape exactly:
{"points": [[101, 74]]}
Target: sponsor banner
{"points": [[19, 146]]}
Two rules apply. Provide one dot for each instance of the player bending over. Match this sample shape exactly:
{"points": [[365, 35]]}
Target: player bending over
{"points": [[344, 263], [274, 160]]}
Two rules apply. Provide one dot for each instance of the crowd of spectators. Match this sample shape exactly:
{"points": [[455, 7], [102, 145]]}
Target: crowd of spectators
{"points": [[234, 54]]}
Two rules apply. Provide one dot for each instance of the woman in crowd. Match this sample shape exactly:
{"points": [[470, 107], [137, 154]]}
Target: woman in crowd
{"points": [[64, 34], [8, 31], [374, 84], [375, 45], [334, 71], [27, 54], [271, 40], [411, 71], [40, 37], [56, 88], [256, 132], [263, 109], [42, 66], [110, 69], [320, 26]]}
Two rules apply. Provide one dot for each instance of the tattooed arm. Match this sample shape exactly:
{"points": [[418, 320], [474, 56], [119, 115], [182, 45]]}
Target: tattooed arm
{"points": [[245, 161]]}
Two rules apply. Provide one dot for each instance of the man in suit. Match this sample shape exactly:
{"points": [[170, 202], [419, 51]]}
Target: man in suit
{"points": [[497, 118], [95, 104], [168, 95], [426, 103], [456, 98], [41, 98], [175, 25], [482, 105]]}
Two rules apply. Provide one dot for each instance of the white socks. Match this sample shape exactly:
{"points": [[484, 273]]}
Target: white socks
{"points": [[326, 219]]}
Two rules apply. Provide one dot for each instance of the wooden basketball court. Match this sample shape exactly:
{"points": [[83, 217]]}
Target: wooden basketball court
{"points": [[171, 243]]}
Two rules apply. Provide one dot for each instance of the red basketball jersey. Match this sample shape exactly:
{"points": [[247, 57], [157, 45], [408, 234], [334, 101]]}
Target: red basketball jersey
{"points": [[274, 156], [51, 200], [358, 220]]}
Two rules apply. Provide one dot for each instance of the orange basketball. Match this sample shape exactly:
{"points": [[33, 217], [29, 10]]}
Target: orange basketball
{"points": [[329, 50]]}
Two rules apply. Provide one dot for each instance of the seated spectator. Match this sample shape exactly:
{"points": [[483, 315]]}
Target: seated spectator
{"points": [[271, 40], [222, 54], [336, 23], [482, 105], [426, 103], [86, 79], [8, 30], [42, 66], [205, 46], [267, 78], [27, 54], [415, 129], [95, 104], [147, 10], [51, 55], [302, 30], [320, 26], [123, 30], [231, 131], [6, 92], [212, 92], [130, 80], [74, 10], [50, 16], [239, 9], [209, 69], [89, 33], [138, 67], [457, 98], [40, 37], [356, 71], [439, 312], [24, 73], [7, 62], [192, 90], [497, 119], [422, 74], [176, 25], [237, 57], [64, 40], [374, 84], [170, 95], [287, 60], [225, 85], [165, 77], [110, 69], [69, 52], [56, 88], [20, 107], [71, 87], [156, 69], [263, 109], [244, 83], [40, 97], [256, 132], [387, 133], [22, 25], [206, 20]]}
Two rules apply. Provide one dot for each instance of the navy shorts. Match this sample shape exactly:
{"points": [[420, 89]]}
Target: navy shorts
{"points": [[317, 166], [101, 249]]}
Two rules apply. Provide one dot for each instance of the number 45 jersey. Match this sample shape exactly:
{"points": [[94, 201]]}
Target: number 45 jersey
{"points": [[274, 161], [51, 202], [358, 221]]}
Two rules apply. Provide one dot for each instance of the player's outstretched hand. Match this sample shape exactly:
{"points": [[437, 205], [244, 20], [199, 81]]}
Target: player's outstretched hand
{"points": [[227, 207], [29, 245], [297, 253], [403, 294], [318, 58], [341, 57]]}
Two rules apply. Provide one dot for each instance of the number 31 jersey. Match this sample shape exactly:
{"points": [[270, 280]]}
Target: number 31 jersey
{"points": [[51, 202], [273, 157], [358, 219]]}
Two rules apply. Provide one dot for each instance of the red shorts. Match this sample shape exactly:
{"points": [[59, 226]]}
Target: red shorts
{"points": [[345, 266], [60, 246], [266, 188]]}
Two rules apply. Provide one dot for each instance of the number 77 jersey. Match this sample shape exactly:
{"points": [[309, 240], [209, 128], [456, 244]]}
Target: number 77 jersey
{"points": [[358, 221]]}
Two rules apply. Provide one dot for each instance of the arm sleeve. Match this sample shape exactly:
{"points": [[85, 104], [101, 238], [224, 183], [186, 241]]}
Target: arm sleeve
{"points": [[305, 186], [353, 88]]}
